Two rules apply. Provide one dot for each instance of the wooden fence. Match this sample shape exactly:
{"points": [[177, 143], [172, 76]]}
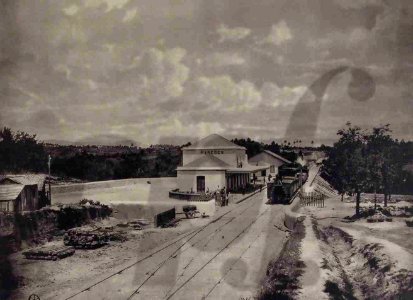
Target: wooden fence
{"points": [[312, 199]]}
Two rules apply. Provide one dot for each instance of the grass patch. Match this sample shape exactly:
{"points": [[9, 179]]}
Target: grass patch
{"points": [[336, 293], [324, 264], [282, 280]]}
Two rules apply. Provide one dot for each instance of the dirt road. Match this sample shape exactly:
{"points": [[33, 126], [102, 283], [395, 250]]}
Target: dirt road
{"points": [[224, 259]]}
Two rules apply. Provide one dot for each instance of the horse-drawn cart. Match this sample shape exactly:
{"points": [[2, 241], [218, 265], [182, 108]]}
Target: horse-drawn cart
{"points": [[190, 211]]}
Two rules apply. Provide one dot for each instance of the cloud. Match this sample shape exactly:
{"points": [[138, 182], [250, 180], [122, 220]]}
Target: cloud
{"points": [[356, 43], [162, 74], [275, 96], [357, 4], [280, 34], [222, 59], [175, 125], [110, 4], [223, 93], [94, 60], [232, 34], [130, 15], [174, 128], [71, 10]]}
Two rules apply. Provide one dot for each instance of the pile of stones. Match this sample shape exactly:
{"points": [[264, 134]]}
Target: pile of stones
{"points": [[86, 238], [49, 252]]}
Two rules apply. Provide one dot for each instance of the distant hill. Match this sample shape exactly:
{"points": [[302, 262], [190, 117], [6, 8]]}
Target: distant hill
{"points": [[101, 140]]}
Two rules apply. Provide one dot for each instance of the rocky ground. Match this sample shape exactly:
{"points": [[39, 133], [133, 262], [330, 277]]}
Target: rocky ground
{"points": [[45, 276]]}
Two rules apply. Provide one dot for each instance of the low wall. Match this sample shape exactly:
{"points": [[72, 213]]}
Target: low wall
{"points": [[131, 211], [176, 194], [76, 187]]}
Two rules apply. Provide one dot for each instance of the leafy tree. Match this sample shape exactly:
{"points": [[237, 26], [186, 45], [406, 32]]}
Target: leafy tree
{"points": [[347, 164], [369, 162], [273, 147], [391, 169], [253, 147], [377, 143], [20, 152]]}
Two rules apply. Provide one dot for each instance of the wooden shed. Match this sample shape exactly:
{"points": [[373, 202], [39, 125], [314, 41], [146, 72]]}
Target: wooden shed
{"points": [[18, 197], [23, 192]]}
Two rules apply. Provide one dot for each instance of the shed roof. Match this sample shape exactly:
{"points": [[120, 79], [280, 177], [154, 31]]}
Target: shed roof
{"points": [[213, 141], [26, 179], [277, 156], [247, 168], [208, 162], [10, 191]]}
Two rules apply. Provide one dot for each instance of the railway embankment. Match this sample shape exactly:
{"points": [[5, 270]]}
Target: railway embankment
{"points": [[355, 259]]}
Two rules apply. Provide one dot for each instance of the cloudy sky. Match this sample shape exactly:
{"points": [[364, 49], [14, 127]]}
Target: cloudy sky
{"points": [[155, 71]]}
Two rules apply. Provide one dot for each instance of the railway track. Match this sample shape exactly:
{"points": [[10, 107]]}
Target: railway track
{"points": [[185, 239], [170, 296], [209, 238]]}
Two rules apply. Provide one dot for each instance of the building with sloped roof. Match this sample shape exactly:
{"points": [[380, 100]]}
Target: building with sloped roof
{"points": [[215, 162], [268, 157], [23, 192], [16, 197]]}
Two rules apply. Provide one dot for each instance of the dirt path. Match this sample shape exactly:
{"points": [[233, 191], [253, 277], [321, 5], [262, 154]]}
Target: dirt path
{"points": [[313, 279]]}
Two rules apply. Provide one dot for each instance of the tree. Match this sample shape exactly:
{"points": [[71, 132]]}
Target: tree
{"points": [[377, 142], [273, 147], [20, 152], [253, 147], [333, 168], [386, 161], [347, 164], [392, 169]]}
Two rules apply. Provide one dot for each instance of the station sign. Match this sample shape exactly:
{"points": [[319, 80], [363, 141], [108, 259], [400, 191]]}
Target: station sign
{"points": [[212, 151]]}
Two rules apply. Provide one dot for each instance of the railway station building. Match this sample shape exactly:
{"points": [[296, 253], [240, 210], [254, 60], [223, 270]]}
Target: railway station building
{"points": [[214, 162], [268, 157]]}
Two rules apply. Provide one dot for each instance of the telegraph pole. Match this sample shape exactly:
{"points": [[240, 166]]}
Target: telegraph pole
{"points": [[49, 163]]}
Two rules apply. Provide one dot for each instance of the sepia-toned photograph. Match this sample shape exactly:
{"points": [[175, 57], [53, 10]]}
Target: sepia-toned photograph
{"points": [[206, 149]]}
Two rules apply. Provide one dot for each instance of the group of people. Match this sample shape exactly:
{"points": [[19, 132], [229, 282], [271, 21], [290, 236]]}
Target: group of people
{"points": [[222, 196]]}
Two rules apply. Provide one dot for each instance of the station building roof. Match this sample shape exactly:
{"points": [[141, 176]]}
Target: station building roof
{"points": [[206, 162], [210, 162], [213, 141]]}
